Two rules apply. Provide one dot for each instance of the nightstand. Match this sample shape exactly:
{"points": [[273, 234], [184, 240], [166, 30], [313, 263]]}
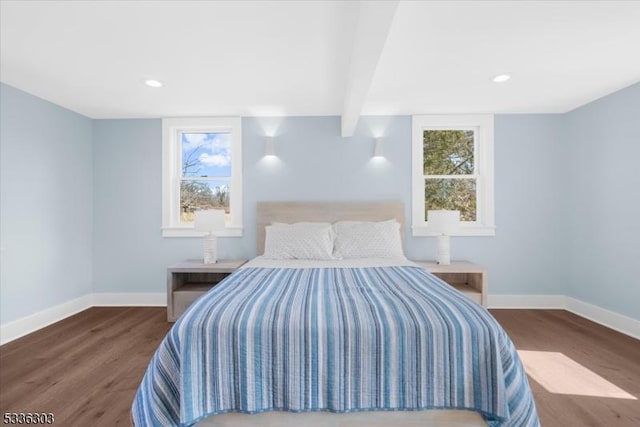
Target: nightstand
{"points": [[465, 276], [189, 280]]}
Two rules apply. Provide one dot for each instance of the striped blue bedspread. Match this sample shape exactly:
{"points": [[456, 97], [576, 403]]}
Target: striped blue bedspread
{"points": [[333, 339]]}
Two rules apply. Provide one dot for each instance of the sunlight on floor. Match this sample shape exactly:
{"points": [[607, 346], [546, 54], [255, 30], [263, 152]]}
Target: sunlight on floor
{"points": [[559, 374]]}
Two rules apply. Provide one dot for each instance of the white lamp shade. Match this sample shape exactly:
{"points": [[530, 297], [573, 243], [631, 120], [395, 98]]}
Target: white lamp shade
{"points": [[443, 222], [210, 220]]}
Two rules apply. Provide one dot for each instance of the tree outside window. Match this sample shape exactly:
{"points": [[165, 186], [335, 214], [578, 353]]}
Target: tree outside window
{"points": [[201, 169], [452, 169], [206, 173], [448, 167]]}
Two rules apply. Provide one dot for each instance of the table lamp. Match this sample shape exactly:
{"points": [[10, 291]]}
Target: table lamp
{"points": [[212, 222], [443, 223]]}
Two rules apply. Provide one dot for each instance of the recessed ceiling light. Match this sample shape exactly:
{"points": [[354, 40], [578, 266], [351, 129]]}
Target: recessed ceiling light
{"points": [[153, 83], [501, 78]]}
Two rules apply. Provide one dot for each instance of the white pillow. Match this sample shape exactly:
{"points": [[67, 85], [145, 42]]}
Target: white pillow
{"points": [[302, 240], [356, 239]]}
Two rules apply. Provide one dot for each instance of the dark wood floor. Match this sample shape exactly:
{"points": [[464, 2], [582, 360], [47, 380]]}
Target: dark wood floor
{"points": [[86, 369]]}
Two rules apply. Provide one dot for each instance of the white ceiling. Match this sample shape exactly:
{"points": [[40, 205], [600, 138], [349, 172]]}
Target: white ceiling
{"points": [[258, 58]]}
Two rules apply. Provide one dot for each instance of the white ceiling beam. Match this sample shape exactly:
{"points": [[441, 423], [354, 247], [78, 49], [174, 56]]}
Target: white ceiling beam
{"points": [[372, 29]]}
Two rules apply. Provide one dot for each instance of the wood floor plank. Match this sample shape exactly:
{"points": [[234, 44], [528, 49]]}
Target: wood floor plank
{"points": [[86, 369], [607, 353]]}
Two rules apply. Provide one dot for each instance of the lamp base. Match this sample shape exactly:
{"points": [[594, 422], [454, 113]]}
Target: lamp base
{"points": [[443, 250], [210, 249]]}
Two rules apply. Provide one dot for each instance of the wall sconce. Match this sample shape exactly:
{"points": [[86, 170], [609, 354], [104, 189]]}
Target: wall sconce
{"points": [[268, 147], [377, 149]]}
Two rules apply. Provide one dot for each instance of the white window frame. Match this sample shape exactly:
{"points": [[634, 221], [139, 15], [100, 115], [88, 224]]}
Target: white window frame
{"points": [[172, 130], [482, 124]]}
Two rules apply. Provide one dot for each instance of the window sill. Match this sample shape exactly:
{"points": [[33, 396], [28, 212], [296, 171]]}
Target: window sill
{"points": [[190, 232], [464, 231]]}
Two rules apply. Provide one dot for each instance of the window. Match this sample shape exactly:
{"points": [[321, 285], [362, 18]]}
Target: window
{"points": [[453, 169], [201, 169]]}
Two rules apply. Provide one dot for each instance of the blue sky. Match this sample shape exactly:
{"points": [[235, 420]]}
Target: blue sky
{"points": [[210, 151]]}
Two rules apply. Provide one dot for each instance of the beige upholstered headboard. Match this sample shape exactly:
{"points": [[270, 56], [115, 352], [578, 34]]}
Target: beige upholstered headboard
{"points": [[290, 212]]}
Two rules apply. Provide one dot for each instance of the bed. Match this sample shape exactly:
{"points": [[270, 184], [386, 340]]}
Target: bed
{"points": [[355, 341]]}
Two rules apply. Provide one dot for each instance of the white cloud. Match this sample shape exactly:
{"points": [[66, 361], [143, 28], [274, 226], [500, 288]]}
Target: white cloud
{"points": [[195, 140], [215, 159], [210, 141], [221, 140]]}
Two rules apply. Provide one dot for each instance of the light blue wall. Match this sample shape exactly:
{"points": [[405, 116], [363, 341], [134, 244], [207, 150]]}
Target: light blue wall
{"points": [[129, 253], [604, 231], [65, 177], [46, 204], [315, 163], [527, 254]]}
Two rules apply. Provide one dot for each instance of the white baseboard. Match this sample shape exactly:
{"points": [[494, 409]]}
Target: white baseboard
{"points": [[527, 301], [28, 324], [157, 299], [608, 318], [25, 325]]}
